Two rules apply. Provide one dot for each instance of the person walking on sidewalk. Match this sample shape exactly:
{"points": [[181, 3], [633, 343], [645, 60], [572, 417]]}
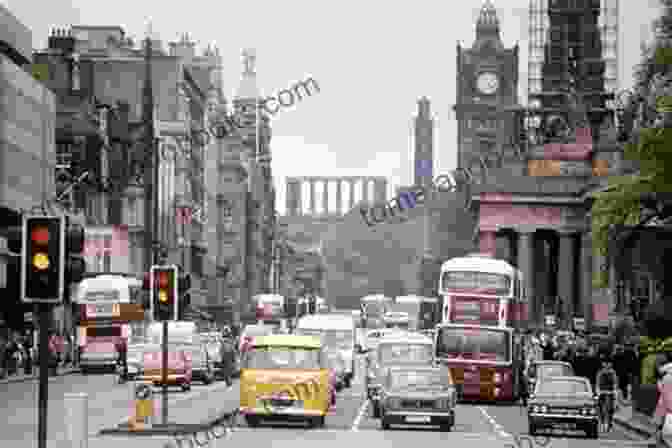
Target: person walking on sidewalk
{"points": [[663, 413]]}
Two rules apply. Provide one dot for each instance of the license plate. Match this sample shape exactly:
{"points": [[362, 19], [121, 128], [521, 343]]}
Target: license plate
{"points": [[418, 419]]}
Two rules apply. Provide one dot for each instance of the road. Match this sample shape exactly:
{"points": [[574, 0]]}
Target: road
{"points": [[109, 403]]}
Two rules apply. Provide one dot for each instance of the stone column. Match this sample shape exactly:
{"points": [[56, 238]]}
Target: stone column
{"points": [[339, 199], [586, 277], [566, 259], [526, 266], [352, 194], [312, 196], [487, 241], [365, 190], [380, 193], [325, 196]]}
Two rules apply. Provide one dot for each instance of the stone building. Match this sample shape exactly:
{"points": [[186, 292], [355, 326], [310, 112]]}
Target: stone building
{"points": [[99, 71], [27, 158]]}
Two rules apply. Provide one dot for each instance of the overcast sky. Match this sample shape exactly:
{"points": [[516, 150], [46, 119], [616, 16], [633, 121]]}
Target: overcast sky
{"points": [[372, 59]]}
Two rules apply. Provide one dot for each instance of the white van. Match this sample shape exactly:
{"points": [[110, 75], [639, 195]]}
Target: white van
{"points": [[338, 332]]}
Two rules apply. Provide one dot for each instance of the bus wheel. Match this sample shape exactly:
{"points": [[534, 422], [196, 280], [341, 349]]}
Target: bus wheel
{"points": [[186, 387], [347, 381], [252, 421], [318, 422]]}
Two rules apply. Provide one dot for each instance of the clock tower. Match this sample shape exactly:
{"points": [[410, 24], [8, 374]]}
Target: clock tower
{"points": [[487, 89]]}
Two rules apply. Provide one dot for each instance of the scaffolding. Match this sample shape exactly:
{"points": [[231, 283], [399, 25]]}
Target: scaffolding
{"points": [[539, 29]]}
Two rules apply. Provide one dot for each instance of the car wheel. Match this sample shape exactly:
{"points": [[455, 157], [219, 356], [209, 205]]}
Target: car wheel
{"points": [[376, 410], [209, 375], [318, 422], [347, 382], [533, 430], [252, 421], [446, 427], [186, 387], [384, 424], [592, 432]]}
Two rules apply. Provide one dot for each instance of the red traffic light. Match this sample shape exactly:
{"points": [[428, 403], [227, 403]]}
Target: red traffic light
{"points": [[163, 279], [40, 235]]}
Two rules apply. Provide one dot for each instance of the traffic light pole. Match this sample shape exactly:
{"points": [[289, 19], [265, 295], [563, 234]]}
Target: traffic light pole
{"points": [[164, 373], [43, 393]]}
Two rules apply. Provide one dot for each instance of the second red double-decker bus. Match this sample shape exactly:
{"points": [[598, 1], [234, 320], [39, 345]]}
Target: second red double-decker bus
{"points": [[481, 290], [483, 360]]}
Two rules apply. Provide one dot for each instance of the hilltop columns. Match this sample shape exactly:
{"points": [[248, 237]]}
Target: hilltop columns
{"points": [[325, 196], [312, 196], [339, 199], [352, 193]]}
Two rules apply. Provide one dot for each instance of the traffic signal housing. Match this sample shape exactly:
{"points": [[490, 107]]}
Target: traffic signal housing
{"points": [[75, 266], [42, 259], [164, 292]]}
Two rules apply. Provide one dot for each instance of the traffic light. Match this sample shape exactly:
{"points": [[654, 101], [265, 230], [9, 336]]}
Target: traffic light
{"points": [[42, 259], [75, 266], [163, 292]]}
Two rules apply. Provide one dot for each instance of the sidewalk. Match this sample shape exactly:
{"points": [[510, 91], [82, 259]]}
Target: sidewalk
{"points": [[637, 422], [20, 378]]}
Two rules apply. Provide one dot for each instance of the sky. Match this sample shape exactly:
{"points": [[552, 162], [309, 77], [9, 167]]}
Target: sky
{"points": [[373, 60]]}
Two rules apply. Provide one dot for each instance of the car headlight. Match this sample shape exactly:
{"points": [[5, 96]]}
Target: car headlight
{"points": [[393, 403], [536, 408], [543, 408]]}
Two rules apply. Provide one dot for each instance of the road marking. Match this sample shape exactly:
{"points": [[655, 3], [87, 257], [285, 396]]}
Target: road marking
{"points": [[360, 415], [499, 429]]}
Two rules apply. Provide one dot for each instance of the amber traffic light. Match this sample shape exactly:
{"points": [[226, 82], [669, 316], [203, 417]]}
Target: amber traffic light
{"points": [[42, 259], [164, 292]]}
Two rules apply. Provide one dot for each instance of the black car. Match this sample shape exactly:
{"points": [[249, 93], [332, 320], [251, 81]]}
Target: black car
{"points": [[565, 402]]}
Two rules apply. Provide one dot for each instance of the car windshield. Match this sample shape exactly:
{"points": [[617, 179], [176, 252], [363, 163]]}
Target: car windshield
{"points": [[555, 370], [405, 379], [470, 343], [341, 339], [563, 388], [405, 353], [283, 358], [494, 283]]}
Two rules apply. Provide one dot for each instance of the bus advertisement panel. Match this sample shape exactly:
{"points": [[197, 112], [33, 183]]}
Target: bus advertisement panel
{"points": [[482, 360]]}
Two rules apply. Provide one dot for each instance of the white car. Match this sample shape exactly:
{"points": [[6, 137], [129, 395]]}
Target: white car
{"points": [[373, 337]]}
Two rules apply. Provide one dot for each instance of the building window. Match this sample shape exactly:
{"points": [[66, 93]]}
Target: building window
{"points": [[132, 210]]}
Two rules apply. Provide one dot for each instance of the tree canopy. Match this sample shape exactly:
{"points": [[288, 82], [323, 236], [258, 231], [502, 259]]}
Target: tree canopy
{"points": [[650, 109]]}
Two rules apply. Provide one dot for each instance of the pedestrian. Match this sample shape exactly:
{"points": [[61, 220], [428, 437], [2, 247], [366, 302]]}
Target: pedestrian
{"points": [[663, 413], [28, 353], [3, 346], [593, 365], [53, 353], [122, 359]]}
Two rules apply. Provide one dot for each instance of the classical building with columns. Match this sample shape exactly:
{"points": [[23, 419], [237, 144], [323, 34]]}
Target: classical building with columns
{"points": [[533, 200], [372, 189]]}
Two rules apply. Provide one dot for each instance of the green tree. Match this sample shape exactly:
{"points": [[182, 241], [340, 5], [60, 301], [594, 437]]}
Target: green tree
{"points": [[634, 199]]}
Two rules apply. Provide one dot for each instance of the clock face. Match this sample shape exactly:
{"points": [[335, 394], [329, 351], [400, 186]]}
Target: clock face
{"points": [[487, 83]]}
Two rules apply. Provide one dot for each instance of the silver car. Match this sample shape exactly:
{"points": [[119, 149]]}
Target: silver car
{"points": [[408, 351], [418, 395]]}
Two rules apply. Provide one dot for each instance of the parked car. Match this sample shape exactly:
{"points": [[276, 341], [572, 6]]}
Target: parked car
{"points": [[250, 332], [418, 395], [180, 372], [566, 402]]}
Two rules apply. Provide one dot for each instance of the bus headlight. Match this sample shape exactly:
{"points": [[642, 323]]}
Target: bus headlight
{"points": [[497, 377]]}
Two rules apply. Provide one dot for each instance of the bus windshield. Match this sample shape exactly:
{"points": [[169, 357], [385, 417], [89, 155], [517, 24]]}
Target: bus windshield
{"points": [[283, 358], [494, 283], [473, 343]]}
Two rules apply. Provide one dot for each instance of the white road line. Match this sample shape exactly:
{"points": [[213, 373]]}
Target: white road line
{"points": [[360, 415], [499, 429]]}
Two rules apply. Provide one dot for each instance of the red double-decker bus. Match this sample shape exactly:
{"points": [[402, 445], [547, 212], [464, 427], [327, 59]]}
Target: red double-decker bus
{"points": [[481, 290], [483, 360]]}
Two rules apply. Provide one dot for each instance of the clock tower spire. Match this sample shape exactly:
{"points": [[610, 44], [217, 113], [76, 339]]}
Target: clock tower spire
{"points": [[487, 84]]}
